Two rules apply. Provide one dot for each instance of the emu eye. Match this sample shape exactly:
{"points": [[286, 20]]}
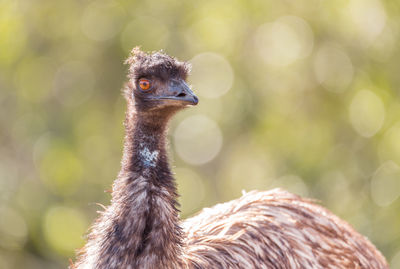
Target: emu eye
{"points": [[144, 84]]}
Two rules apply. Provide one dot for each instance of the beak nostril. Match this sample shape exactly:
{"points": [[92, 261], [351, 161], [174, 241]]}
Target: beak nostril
{"points": [[182, 94]]}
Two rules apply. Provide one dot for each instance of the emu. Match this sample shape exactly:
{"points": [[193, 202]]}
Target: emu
{"points": [[142, 229]]}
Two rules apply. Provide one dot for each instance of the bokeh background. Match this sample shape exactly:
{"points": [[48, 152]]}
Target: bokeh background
{"points": [[299, 94]]}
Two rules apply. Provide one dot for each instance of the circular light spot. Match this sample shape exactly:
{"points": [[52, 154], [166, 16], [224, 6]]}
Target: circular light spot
{"points": [[368, 17], [385, 184], [253, 170], [284, 41], [13, 33], [383, 50], [101, 20], [60, 169], [334, 184], [13, 230], [73, 83], [293, 184], [192, 190], [211, 75], [247, 166], [198, 139], [333, 68], [367, 113], [63, 229]]}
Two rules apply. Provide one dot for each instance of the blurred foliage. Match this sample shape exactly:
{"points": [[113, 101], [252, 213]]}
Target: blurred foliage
{"points": [[299, 94]]}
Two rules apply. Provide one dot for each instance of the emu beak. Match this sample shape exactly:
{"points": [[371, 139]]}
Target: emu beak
{"points": [[178, 90]]}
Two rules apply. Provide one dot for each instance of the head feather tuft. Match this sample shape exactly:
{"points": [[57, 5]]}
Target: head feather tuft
{"points": [[155, 64]]}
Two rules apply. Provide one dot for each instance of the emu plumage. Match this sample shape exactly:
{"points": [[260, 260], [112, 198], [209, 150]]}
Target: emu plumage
{"points": [[141, 228]]}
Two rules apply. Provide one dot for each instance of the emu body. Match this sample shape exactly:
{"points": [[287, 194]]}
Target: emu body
{"points": [[141, 228]]}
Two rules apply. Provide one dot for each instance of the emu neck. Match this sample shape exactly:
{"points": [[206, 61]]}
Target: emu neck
{"points": [[145, 147], [144, 230]]}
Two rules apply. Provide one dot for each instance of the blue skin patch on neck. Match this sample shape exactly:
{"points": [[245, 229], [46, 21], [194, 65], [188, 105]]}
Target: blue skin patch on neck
{"points": [[148, 158]]}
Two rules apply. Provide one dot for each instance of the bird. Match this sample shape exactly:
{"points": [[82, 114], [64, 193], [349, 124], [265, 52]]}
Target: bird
{"points": [[141, 227]]}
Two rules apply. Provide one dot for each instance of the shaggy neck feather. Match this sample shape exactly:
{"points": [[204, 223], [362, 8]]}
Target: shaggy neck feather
{"points": [[141, 228], [148, 193]]}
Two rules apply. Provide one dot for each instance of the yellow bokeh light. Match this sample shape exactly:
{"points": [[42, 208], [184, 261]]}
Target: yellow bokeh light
{"points": [[368, 18], [211, 76], [284, 41], [367, 113], [333, 69], [13, 36], [60, 169], [197, 139], [385, 184], [63, 229]]}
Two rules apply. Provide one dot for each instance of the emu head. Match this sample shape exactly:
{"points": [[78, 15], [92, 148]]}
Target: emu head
{"points": [[157, 84]]}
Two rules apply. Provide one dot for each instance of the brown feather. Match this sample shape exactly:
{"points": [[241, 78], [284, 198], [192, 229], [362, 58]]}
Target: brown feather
{"points": [[141, 227], [275, 229]]}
